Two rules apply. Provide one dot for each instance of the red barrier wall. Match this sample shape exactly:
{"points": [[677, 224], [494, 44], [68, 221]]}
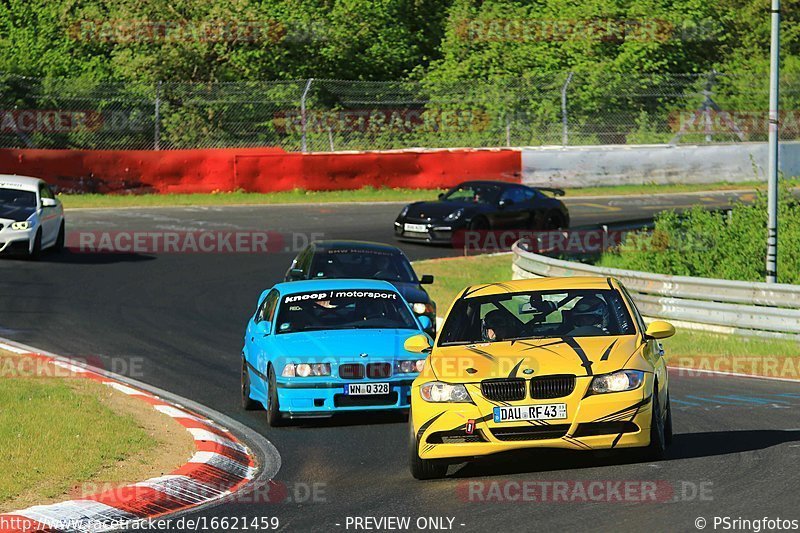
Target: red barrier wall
{"points": [[256, 169]]}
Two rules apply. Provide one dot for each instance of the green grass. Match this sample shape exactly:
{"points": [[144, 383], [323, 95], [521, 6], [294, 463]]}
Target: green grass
{"points": [[452, 275], [367, 194], [692, 343], [56, 434]]}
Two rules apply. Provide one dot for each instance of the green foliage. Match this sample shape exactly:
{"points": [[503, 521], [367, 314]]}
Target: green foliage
{"points": [[716, 244], [501, 62]]}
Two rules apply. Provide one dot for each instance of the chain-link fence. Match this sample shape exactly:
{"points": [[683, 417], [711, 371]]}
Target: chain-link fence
{"points": [[325, 115]]}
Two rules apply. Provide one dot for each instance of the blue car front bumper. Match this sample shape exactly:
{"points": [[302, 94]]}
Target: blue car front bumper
{"points": [[299, 398]]}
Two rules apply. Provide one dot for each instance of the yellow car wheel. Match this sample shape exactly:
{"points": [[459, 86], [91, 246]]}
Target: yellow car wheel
{"points": [[422, 468]]}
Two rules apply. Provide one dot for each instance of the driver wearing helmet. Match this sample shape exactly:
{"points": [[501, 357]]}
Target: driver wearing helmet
{"points": [[497, 326], [590, 317]]}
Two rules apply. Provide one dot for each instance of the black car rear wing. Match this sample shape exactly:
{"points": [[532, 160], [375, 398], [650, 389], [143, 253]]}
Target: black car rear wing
{"points": [[553, 191]]}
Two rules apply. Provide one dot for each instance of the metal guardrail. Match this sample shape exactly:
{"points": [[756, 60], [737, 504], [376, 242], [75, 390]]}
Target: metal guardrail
{"points": [[740, 307]]}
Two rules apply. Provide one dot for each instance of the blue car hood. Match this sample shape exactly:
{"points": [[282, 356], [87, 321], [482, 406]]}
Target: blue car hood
{"points": [[345, 345]]}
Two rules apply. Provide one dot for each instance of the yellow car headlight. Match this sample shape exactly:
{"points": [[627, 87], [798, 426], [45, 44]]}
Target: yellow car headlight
{"points": [[622, 380], [20, 225], [437, 392]]}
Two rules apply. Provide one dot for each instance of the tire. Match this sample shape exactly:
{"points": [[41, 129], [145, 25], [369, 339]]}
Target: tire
{"points": [[668, 424], [478, 224], [422, 468], [248, 404], [553, 221], [60, 240], [36, 253], [274, 416], [657, 448]]}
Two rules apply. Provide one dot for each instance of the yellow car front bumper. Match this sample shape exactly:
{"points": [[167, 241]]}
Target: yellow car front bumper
{"points": [[598, 421]]}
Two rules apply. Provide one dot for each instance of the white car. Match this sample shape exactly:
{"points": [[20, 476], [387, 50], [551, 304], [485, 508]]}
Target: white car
{"points": [[31, 217]]}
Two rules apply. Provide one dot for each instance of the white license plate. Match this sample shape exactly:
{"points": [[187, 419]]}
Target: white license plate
{"points": [[363, 389], [553, 411], [415, 228]]}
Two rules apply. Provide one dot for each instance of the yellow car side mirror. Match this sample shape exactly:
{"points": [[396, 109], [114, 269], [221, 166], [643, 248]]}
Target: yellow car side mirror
{"points": [[658, 329], [417, 344]]}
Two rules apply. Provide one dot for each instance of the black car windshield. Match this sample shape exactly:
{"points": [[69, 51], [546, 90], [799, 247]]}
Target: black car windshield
{"points": [[361, 263], [533, 315], [473, 192], [17, 198], [343, 309]]}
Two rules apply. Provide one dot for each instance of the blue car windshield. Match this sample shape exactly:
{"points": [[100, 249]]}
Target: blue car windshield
{"points": [[343, 309]]}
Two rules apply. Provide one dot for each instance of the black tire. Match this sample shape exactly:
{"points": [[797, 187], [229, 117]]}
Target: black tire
{"points": [[668, 424], [478, 224], [274, 416], [36, 253], [60, 240], [248, 404], [422, 468], [658, 441], [553, 221]]}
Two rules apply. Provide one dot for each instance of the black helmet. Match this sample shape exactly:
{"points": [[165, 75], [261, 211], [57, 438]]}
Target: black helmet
{"points": [[501, 323], [590, 311]]}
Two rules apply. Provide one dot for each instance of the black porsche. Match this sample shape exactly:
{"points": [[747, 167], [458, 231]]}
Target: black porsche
{"points": [[480, 206]]}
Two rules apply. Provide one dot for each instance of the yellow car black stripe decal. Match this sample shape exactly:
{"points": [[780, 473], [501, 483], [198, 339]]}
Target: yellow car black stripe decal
{"points": [[585, 362]]}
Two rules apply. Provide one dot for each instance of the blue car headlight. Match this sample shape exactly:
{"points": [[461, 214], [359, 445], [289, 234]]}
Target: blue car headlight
{"points": [[410, 367], [304, 370]]}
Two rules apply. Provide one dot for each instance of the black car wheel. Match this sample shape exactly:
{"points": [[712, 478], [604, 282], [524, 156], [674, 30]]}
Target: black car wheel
{"points": [[478, 224], [422, 468], [248, 404], [658, 439], [553, 221], [274, 416], [59, 245], [36, 253]]}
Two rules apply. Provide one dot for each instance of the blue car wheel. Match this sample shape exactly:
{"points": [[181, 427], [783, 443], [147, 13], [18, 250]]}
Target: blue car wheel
{"points": [[274, 416], [248, 403]]}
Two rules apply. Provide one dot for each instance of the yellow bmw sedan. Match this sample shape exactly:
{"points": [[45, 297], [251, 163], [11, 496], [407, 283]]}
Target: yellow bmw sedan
{"points": [[552, 363]]}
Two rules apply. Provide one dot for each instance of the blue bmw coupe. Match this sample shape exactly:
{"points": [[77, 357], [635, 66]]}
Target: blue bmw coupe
{"points": [[318, 347]]}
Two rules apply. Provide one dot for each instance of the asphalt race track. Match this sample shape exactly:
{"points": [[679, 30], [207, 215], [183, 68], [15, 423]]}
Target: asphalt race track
{"points": [[176, 320]]}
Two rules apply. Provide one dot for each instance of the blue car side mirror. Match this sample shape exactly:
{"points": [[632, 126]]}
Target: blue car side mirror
{"points": [[264, 327], [425, 322]]}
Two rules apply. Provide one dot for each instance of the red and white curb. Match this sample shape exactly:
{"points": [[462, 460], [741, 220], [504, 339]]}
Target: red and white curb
{"points": [[220, 466]]}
